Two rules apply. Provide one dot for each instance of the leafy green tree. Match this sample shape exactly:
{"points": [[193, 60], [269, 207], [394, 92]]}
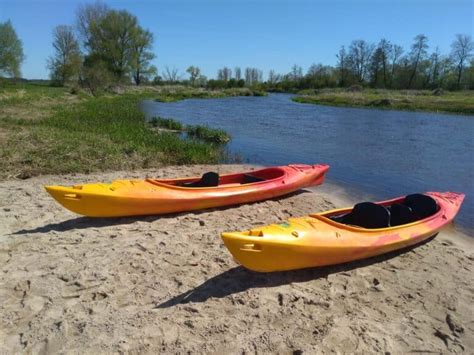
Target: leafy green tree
{"points": [[96, 75], [194, 73], [65, 64], [112, 39], [142, 56], [11, 51]]}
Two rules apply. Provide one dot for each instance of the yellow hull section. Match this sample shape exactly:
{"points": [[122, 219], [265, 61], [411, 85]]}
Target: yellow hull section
{"points": [[316, 240]]}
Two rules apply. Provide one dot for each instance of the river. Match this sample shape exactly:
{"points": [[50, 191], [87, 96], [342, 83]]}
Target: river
{"points": [[380, 153]]}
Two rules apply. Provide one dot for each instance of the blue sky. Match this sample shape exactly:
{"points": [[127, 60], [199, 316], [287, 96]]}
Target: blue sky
{"points": [[265, 34]]}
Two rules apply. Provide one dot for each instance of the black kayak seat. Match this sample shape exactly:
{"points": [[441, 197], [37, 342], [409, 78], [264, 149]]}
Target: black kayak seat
{"points": [[248, 179], [209, 179], [422, 205], [400, 214], [367, 215]]}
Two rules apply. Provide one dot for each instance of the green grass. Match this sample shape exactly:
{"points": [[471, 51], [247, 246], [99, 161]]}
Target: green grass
{"points": [[409, 100], [167, 123], [204, 133], [208, 134], [45, 130]]}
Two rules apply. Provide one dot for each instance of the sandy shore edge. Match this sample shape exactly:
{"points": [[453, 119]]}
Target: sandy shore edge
{"points": [[168, 284]]}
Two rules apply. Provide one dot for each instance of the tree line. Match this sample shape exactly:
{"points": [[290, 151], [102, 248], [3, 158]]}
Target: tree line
{"points": [[381, 65], [106, 46]]}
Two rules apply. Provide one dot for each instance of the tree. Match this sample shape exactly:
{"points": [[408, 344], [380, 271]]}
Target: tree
{"points": [[273, 77], [434, 70], [461, 51], [87, 16], [194, 74], [201, 81], [224, 74], [417, 54], [342, 65], [237, 73], [171, 75], [395, 54], [142, 43], [320, 75], [253, 76], [296, 73], [112, 38], [359, 58], [11, 51], [376, 65], [96, 75], [385, 49], [65, 64]]}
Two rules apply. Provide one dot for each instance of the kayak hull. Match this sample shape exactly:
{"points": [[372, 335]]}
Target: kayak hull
{"points": [[316, 240], [154, 197]]}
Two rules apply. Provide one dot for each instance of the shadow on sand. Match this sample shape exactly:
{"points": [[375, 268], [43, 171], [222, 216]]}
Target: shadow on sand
{"points": [[95, 222], [239, 279]]}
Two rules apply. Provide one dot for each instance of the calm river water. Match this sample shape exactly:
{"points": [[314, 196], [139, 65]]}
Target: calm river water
{"points": [[379, 153]]}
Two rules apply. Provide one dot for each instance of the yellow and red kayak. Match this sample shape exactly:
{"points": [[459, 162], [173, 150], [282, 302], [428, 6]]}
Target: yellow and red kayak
{"points": [[160, 196], [344, 235]]}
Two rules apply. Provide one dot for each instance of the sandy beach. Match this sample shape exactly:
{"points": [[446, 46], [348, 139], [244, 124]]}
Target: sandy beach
{"points": [[167, 284]]}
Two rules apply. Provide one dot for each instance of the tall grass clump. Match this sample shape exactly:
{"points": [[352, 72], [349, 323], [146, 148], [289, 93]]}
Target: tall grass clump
{"points": [[167, 123], [208, 134]]}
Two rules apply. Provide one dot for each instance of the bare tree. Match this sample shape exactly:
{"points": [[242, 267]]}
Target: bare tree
{"points": [[395, 54], [418, 53], [248, 76], [342, 65], [385, 48], [65, 64], [171, 75], [253, 76], [237, 73], [296, 73], [461, 51], [433, 68], [359, 57], [224, 74], [86, 16], [273, 77]]}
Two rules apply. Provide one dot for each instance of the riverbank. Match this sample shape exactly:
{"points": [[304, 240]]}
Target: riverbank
{"points": [[50, 130], [167, 284], [461, 102]]}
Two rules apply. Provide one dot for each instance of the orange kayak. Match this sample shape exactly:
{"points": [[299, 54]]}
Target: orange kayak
{"points": [[344, 235], [160, 196]]}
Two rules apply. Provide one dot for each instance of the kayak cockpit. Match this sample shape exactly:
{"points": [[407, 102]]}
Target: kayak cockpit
{"points": [[369, 215], [212, 179]]}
